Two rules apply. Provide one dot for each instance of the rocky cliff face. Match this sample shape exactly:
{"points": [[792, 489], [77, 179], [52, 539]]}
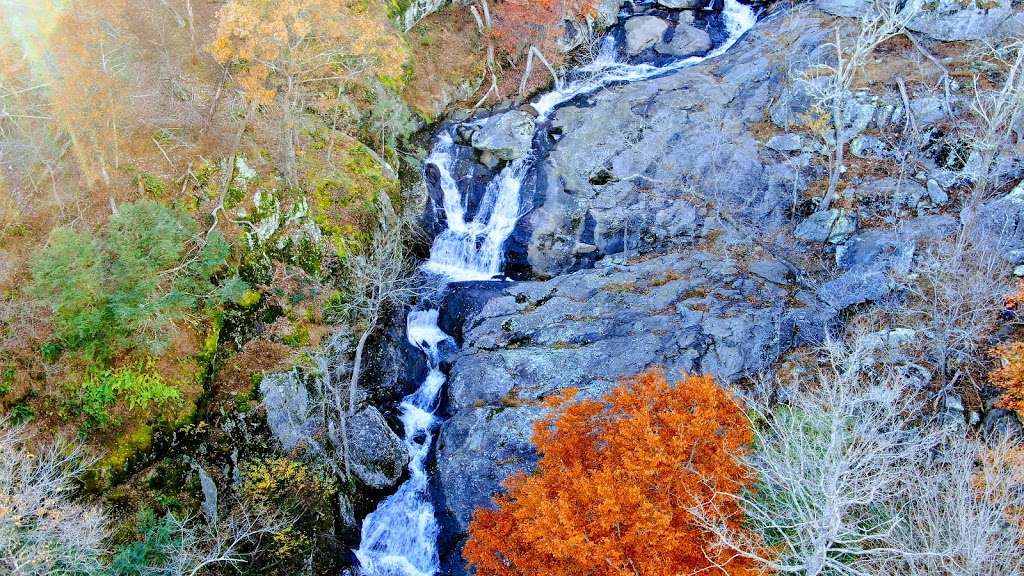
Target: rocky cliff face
{"points": [[669, 226]]}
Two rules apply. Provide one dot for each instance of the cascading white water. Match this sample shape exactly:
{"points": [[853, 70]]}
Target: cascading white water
{"points": [[399, 538]]}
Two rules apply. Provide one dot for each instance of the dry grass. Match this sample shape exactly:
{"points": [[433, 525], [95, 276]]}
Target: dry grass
{"points": [[449, 50]]}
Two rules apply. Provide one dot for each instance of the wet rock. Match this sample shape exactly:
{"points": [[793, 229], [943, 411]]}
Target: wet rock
{"points": [[378, 456], [682, 4], [686, 40], [507, 136], [642, 32], [393, 366], [833, 226]]}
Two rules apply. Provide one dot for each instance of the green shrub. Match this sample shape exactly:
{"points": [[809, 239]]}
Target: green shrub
{"points": [[136, 389], [122, 288], [153, 185], [156, 536]]}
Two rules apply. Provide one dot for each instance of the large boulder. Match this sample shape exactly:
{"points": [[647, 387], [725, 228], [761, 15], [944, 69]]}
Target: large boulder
{"points": [[972, 20], [832, 226], [394, 368], [288, 407], [682, 4], [686, 41], [377, 455], [643, 32], [607, 12], [947, 20], [507, 136]]}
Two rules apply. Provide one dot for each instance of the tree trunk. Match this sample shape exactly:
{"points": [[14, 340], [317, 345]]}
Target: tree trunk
{"points": [[837, 160], [289, 161], [357, 366]]}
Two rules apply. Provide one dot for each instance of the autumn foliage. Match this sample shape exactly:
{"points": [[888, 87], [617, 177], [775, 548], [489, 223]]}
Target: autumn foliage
{"points": [[1010, 375], [282, 42], [519, 24], [615, 484]]}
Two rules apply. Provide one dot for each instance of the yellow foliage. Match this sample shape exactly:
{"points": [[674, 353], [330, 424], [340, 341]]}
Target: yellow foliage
{"points": [[277, 43]]}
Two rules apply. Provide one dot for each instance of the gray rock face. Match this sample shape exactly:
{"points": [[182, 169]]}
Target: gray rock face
{"points": [[507, 136], [1003, 222], [642, 32], [682, 4], [608, 12], [848, 8], [945, 19], [626, 183], [868, 147], [640, 232], [832, 226], [287, 403], [956, 20], [378, 455], [786, 143], [697, 312], [686, 40]]}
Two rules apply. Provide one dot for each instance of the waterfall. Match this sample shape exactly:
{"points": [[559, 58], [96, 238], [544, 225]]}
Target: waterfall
{"points": [[399, 538]]}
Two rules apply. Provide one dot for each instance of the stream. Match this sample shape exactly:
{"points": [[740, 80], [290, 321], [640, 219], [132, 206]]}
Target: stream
{"points": [[400, 537]]}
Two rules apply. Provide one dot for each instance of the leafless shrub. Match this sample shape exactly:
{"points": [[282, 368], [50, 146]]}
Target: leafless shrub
{"points": [[854, 480], [43, 530], [997, 113], [830, 463], [953, 299], [962, 518], [230, 542], [883, 20], [384, 276]]}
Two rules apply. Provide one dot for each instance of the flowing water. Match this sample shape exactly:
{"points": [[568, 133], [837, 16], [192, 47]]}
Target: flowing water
{"points": [[399, 538]]}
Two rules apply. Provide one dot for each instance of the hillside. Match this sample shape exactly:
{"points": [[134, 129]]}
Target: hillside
{"points": [[510, 288]]}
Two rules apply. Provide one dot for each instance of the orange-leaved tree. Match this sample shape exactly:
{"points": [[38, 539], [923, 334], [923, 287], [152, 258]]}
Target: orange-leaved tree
{"points": [[533, 28], [615, 484], [1010, 375]]}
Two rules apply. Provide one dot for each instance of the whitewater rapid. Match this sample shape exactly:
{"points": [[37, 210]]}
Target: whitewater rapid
{"points": [[399, 538]]}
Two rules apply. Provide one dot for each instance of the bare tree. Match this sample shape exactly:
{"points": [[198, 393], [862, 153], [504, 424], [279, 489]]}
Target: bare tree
{"points": [[997, 113], [43, 529], [199, 545], [963, 517], [380, 278], [830, 463], [953, 299], [855, 480], [883, 20]]}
